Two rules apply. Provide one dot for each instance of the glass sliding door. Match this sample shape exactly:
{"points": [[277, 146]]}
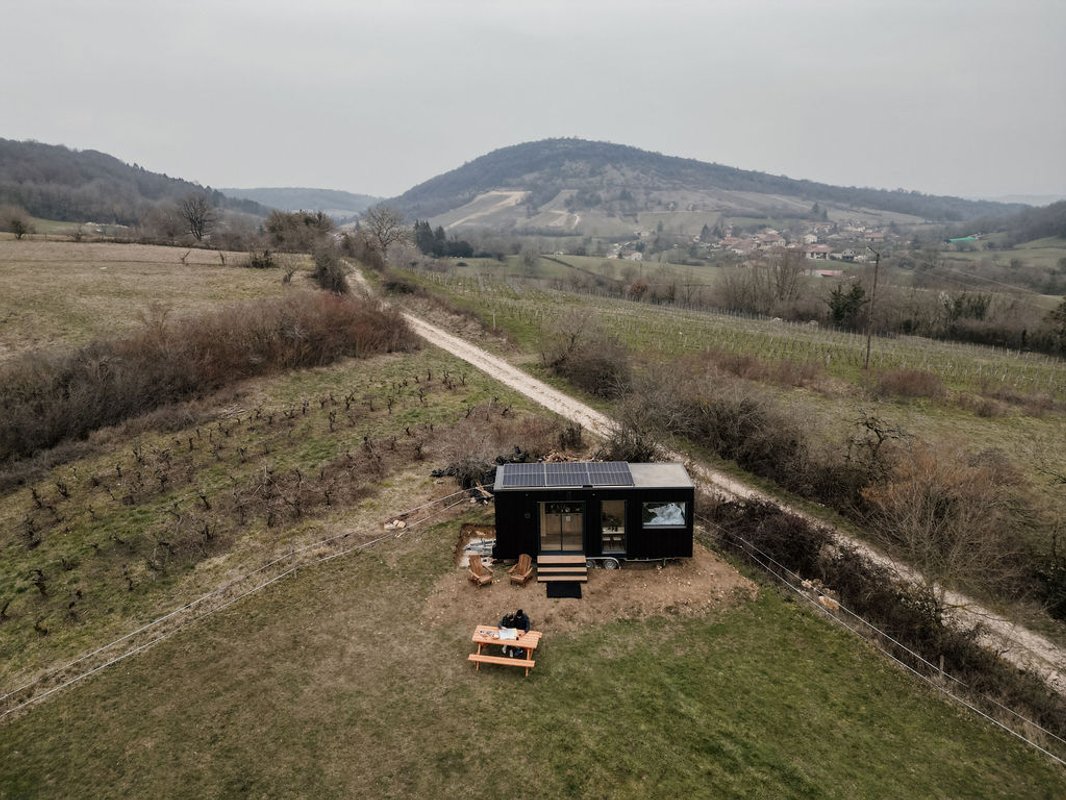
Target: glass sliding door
{"points": [[613, 526], [562, 527]]}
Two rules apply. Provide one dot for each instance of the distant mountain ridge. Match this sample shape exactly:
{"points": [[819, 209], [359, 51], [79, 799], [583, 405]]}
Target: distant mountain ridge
{"points": [[56, 182], [334, 202], [624, 179]]}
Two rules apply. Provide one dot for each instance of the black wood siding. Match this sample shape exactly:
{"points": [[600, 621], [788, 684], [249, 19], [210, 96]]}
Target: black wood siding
{"points": [[518, 521]]}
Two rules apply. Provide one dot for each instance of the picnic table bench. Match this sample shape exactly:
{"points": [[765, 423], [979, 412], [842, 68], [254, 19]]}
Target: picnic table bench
{"points": [[490, 635]]}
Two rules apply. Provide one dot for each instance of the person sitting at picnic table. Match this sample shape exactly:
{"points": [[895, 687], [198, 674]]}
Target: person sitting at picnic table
{"points": [[518, 621]]}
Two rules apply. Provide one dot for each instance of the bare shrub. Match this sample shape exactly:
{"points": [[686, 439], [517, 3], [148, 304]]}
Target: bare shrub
{"points": [[737, 424], [395, 283], [14, 219], [909, 383], [654, 410], [260, 259], [589, 358], [571, 437], [785, 372], [48, 397], [358, 245], [329, 269], [1033, 404], [489, 435], [955, 519], [297, 231], [981, 406]]}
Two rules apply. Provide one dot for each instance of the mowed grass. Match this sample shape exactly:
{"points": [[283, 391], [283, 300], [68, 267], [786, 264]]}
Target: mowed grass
{"points": [[335, 683], [67, 293], [105, 555]]}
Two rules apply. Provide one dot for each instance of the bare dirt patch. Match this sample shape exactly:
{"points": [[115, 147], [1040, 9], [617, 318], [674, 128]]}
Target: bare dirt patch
{"points": [[689, 586]]}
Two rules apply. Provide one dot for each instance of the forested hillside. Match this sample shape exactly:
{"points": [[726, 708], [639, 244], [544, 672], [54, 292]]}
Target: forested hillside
{"points": [[334, 202], [56, 182], [602, 170]]}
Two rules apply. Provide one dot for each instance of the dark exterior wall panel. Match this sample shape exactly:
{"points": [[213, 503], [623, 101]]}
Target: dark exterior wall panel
{"points": [[518, 521]]}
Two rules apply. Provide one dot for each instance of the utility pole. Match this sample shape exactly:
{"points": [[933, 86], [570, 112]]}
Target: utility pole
{"points": [[873, 300]]}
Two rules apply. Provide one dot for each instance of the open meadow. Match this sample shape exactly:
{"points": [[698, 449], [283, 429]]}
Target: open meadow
{"points": [[349, 680], [70, 292], [347, 674]]}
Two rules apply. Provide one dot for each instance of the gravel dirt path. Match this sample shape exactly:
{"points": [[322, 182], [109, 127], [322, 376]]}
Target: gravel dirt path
{"points": [[1017, 644]]}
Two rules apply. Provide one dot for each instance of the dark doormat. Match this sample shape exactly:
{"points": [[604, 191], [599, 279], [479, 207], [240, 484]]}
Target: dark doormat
{"points": [[559, 589]]}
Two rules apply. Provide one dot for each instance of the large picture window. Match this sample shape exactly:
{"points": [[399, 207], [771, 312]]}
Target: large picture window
{"points": [[664, 514]]}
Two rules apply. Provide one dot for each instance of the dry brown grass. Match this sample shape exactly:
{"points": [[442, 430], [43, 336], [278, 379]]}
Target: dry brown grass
{"points": [[685, 587], [909, 383], [50, 397], [784, 372], [69, 293]]}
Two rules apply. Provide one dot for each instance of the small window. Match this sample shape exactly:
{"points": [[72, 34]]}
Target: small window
{"points": [[664, 514]]}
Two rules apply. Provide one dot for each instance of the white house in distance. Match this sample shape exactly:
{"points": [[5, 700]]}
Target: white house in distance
{"points": [[817, 252]]}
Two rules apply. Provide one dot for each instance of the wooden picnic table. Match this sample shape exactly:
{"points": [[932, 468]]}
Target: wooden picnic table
{"points": [[490, 635]]}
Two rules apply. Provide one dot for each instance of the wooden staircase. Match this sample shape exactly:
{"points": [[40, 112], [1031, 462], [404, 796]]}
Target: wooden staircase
{"points": [[562, 569]]}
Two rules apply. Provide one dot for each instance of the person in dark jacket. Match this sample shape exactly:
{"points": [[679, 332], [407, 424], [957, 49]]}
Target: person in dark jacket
{"points": [[519, 621]]}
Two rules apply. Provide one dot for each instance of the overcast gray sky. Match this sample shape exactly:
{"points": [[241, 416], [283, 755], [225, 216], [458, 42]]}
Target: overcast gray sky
{"points": [[947, 96]]}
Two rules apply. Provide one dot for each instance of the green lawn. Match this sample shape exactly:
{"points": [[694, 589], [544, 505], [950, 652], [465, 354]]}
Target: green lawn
{"points": [[338, 683]]}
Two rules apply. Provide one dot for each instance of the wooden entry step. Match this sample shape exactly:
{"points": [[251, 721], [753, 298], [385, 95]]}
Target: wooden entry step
{"points": [[562, 569], [567, 570], [574, 560], [562, 579]]}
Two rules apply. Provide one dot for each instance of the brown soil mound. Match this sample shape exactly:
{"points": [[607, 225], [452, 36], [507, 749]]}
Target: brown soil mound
{"points": [[688, 586]]}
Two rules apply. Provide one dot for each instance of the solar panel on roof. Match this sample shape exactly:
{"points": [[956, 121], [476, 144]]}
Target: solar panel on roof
{"points": [[565, 475], [610, 473], [517, 475], [536, 476]]}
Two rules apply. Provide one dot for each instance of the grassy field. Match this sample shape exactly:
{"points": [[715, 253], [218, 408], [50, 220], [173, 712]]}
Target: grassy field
{"points": [[68, 293], [342, 682], [1047, 253], [350, 678], [124, 546], [670, 331], [995, 400]]}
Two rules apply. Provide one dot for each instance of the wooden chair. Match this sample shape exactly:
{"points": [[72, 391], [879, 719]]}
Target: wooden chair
{"points": [[523, 570], [479, 574]]}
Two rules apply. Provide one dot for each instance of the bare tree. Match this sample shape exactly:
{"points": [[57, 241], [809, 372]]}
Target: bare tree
{"points": [[385, 226], [530, 258], [199, 215], [953, 519], [764, 285], [15, 220]]}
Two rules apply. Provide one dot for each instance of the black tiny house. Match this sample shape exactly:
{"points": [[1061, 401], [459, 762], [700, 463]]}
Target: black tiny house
{"points": [[612, 511]]}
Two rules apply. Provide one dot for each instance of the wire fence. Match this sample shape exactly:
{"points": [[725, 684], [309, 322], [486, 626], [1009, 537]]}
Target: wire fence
{"points": [[151, 633], [932, 674]]}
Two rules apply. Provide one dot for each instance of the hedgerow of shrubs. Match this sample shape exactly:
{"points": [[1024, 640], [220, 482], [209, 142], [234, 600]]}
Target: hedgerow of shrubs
{"points": [[49, 397]]}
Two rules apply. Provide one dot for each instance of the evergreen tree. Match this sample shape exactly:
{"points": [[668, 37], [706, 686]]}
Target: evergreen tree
{"points": [[845, 305], [440, 241], [424, 239]]}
